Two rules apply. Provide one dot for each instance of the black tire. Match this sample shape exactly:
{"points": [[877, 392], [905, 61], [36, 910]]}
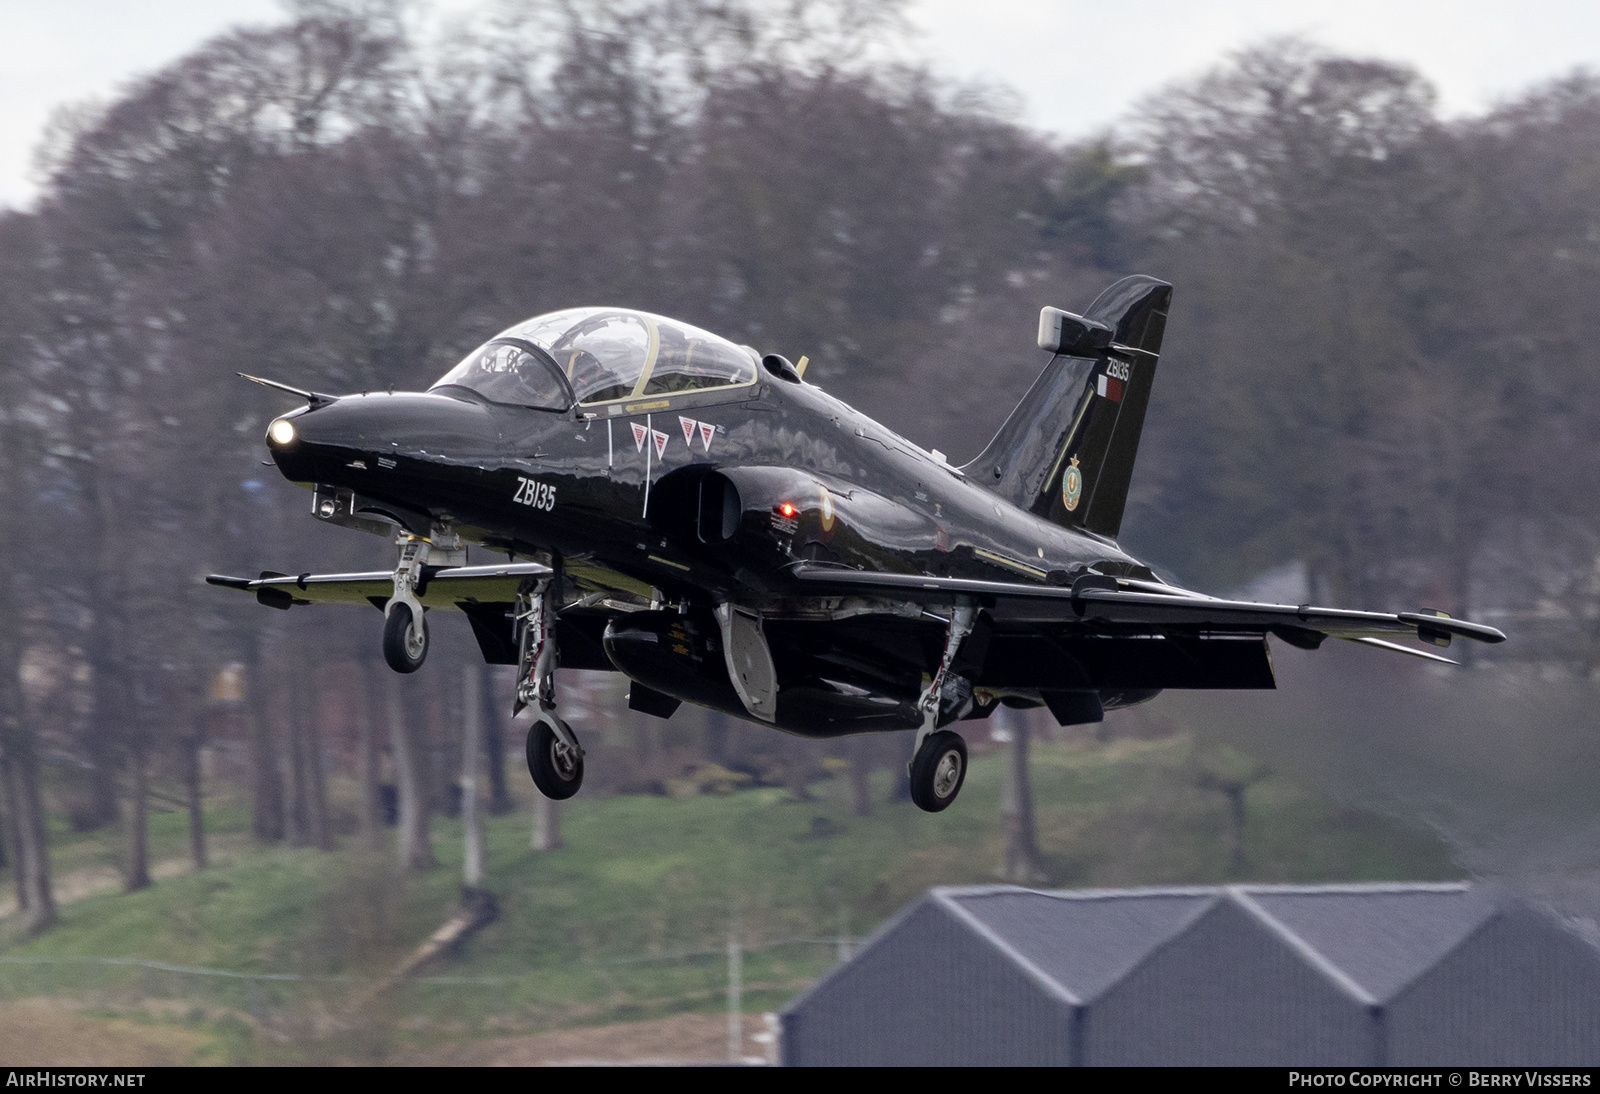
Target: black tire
{"points": [[556, 771], [405, 638], [938, 770]]}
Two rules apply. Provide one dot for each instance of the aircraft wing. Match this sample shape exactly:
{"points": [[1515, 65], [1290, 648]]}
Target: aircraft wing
{"points": [[442, 587], [1104, 603]]}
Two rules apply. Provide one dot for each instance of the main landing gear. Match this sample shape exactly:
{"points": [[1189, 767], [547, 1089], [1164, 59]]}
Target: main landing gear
{"points": [[938, 764], [937, 770], [555, 759]]}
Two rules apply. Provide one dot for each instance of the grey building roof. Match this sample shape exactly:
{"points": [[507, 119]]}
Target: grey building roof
{"points": [[1370, 939], [1359, 973], [1082, 942], [1380, 937]]}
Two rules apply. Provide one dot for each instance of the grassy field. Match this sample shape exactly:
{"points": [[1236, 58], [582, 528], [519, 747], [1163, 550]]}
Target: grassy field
{"points": [[631, 918]]}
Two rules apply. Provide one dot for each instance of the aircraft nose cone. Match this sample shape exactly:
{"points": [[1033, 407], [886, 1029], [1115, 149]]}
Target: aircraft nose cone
{"points": [[314, 444]]}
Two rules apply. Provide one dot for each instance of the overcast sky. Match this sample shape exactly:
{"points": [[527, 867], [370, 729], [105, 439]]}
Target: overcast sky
{"points": [[1076, 64]]}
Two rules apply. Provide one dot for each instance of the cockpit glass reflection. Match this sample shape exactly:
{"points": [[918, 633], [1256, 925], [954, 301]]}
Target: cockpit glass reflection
{"points": [[504, 372], [608, 353]]}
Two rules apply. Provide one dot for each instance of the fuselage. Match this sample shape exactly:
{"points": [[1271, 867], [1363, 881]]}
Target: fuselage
{"points": [[697, 493]]}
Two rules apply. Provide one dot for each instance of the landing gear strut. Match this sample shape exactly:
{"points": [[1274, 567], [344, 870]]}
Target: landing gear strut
{"points": [[405, 630], [938, 764], [555, 759]]}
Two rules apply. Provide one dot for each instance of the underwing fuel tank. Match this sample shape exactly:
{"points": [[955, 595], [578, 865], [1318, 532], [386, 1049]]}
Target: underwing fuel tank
{"points": [[681, 655]]}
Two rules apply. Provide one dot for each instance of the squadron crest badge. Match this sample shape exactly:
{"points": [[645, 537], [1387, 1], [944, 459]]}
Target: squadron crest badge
{"points": [[1072, 486]]}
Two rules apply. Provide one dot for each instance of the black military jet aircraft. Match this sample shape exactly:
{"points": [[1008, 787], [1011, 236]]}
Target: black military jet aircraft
{"points": [[700, 518]]}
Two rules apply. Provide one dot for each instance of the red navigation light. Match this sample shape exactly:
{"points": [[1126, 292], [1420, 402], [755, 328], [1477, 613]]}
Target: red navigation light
{"points": [[788, 509]]}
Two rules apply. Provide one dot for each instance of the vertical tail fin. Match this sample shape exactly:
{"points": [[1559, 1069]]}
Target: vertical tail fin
{"points": [[1066, 452]]}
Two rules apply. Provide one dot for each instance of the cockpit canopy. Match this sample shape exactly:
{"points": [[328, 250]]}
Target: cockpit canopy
{"points": [[596, 355]]}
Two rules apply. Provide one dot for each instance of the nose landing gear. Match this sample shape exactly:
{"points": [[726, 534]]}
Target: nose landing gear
{"points": [[405, 637], [556, 767], [405, 630]]}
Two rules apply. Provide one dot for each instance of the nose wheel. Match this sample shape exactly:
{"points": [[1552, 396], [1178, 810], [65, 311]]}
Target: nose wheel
{"points": [[405, 638], [938, 770], [405, 631], [556, 765]]}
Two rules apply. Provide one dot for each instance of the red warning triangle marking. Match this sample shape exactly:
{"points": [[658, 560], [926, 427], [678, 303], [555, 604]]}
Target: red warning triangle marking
{"points": [[638, 436], [707, 431], [661, 440], [688, 429]]}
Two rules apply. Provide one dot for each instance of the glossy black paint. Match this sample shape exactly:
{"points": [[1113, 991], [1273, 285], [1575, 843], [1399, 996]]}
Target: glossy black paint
{"points": [[894, 508], [708, 496], [851, 543]]}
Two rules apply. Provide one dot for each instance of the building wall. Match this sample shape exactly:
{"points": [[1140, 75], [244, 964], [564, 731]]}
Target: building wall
{"points": [[1228, 991], [929, 991], [1521, 990]]}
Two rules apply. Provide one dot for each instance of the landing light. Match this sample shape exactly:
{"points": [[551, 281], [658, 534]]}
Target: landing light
{"points": [[281, 431]]}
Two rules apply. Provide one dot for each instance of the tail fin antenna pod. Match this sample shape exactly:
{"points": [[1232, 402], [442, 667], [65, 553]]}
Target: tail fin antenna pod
{"points": [[1067, 450]]}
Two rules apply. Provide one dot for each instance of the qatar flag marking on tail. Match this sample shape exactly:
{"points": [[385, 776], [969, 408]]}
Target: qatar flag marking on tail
{"points": [[688, 429], [638, 436], [1109, 383], [707, 431], [661, 440]]}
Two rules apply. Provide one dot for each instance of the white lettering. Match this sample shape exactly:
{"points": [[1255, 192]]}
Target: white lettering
{"points": [[536, 495]]}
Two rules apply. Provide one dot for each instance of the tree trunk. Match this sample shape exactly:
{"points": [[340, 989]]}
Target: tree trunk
{"points": [[860, 748], [1021, 865], [411, 838], [494, 739], [100, 745], [797, 767], [314, 791], [436, 756], [546, 823], [191, 782], [717, 737], [471, 738], [10, 848], [289, 709], [15, 853], [1238, 864], [138, 819], [19, 767], [266, 819], [371, 779]]}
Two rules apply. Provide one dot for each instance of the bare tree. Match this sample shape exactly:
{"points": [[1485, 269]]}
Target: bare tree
{"points": [[471, 751], [413, 846], [1022, 859]]}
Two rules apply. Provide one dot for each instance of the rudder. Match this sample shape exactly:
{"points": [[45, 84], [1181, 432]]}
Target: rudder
{"points": [[1067, 451]]}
